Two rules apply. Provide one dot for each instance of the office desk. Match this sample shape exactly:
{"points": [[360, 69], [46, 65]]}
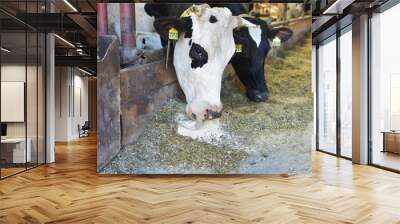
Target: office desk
{"points": [[13, 150], [391, 141]]}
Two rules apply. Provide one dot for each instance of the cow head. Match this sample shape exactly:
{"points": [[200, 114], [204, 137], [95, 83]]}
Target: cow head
{"points": [[249, 64], [258, 91], [204, 48]]}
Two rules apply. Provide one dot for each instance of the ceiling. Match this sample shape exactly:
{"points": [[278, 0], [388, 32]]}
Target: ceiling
{"points": [[330, 15], [74, 22]]}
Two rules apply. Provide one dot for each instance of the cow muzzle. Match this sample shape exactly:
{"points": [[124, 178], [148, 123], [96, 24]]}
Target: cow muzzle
{"points": [[213, 114], [205, 113], [256, 95]]}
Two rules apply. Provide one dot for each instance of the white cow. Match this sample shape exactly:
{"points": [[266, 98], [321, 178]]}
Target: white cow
{"points": [[203, 50]]}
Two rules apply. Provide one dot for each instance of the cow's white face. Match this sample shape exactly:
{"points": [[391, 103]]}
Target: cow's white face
{"points": [[200, 57]]}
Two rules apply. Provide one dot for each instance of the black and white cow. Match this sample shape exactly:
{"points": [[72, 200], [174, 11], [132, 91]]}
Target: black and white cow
{"points": [[208, 45], [249, 63], [203, 50]]}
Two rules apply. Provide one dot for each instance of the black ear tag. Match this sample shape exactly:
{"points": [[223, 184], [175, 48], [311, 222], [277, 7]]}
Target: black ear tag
{"points": [[238, 48], [173, 35], [168, 53]]}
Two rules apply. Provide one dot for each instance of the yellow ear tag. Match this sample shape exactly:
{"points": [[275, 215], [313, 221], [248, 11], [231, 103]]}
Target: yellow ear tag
{"points": [[276, 42], [238, 48], [173, 34]]}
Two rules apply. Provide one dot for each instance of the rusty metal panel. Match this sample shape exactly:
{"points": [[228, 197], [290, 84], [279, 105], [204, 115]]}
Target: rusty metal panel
{"points": [[108, 100], [102, 19]]}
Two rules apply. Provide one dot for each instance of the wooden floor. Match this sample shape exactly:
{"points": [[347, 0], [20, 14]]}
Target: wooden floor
{"points": [[5, 172], [387, 159], [70, 191]]}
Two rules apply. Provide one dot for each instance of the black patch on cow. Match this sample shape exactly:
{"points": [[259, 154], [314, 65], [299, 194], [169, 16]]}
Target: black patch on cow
{"points": [[190, 42], [189, 27], [198, 55], [213, 19]]}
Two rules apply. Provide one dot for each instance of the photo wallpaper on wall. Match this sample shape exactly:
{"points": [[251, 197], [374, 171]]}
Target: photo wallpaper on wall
{"points": [[204, 89]]}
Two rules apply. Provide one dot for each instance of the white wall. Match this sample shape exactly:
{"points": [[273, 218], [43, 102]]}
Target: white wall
{"points": [[62, 81], [146, 37], [79, 115], [70, 83], [13, 73], [144, 22]]}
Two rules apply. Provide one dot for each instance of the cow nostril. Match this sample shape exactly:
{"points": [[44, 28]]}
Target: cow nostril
{"points": [[213, 114], [217, 114]]}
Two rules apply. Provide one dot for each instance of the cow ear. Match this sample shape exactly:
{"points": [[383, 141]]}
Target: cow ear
{"points": [[242, 21], [283, 33], [154, 9], [163, 25], [199, 10]]}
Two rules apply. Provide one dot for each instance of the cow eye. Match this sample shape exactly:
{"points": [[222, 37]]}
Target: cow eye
{"points": [[213, 19]]}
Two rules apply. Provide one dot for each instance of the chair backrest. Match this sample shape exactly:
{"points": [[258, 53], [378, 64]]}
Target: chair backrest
{"points": [[86, 125]]}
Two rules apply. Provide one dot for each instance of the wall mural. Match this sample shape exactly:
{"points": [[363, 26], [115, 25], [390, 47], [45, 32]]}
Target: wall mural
{"points": [[204, 89]]}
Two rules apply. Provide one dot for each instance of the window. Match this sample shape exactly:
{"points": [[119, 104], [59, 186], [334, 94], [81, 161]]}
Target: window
{"points": [[22, 77], [385, 89], [346, 92], [327, 96]]}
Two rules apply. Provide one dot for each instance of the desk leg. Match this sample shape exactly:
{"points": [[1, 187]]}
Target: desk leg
{"points": [[384, 143]]}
